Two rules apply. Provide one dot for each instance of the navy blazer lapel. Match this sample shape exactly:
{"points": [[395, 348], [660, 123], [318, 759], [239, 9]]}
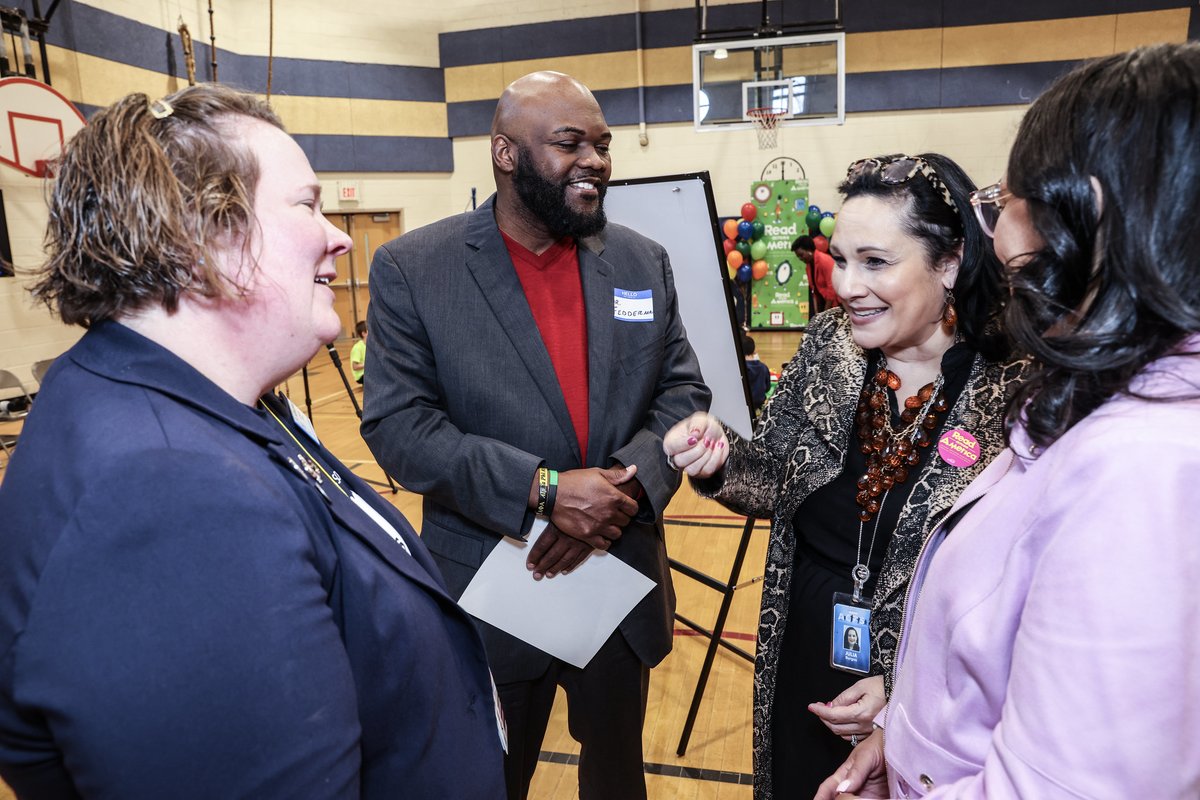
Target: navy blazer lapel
{"points": [[491, 266], [354, 520], [597, 277], [416, 564]]}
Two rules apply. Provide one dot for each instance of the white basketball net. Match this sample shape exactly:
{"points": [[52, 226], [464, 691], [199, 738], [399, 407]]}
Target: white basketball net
{"points": [[767, 121]]}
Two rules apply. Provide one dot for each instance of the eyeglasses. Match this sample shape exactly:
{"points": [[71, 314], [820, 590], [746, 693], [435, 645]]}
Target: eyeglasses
{"points": [[899, 171], [988, 202]]}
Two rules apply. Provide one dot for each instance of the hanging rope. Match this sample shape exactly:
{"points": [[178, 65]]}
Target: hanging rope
{"points": [[189, 51], [212, 38], [270, 45]]}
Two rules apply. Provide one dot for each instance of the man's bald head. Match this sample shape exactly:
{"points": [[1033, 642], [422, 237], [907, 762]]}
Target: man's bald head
{"points": [[531, 95], [550, 159]]}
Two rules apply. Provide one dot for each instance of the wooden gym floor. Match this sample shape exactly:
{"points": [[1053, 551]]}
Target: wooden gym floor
{"points": [[700, 534]]}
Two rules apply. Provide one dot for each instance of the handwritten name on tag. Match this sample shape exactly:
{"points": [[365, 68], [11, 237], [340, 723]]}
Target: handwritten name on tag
{"points": [[629, 306]]}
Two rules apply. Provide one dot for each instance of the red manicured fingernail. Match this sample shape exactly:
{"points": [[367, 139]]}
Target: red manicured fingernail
{"points": [[720, 444], [691, 441]]}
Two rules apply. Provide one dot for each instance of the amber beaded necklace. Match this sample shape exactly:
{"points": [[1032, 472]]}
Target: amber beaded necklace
{"points": [[890, 453]]}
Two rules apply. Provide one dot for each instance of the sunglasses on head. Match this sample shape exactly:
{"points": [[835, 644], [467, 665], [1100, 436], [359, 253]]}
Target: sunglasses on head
{"points": [[899, 171]]}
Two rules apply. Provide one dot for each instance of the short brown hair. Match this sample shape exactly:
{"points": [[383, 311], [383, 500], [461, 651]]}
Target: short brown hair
{"points": [[139, 197]]}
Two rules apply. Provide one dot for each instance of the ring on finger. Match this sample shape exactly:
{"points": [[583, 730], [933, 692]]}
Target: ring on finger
{"points": [[854, 740], [671, 463]]}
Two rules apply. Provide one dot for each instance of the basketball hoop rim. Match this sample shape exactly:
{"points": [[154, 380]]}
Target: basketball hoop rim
{"points": [[765, 117]]}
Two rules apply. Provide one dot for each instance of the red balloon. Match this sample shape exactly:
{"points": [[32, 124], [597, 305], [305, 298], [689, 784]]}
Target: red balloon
{"points": [[749, 212], [734, 259], [821, 243], [730, 228], [758, 270], [729, 244]]}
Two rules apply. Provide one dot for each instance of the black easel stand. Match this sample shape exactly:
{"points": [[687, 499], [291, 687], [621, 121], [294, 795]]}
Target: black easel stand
{"points": [[714, 636], [337, 364], [307, 394]]}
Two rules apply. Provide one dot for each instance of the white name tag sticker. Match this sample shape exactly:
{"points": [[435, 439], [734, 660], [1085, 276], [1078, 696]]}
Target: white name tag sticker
{"points": [[629, 306], [302, 421]]}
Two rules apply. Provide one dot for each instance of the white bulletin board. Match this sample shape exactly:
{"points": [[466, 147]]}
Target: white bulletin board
{"points": [[678, 212]]}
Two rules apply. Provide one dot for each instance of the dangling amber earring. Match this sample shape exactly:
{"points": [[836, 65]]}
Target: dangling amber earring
{"points": [[949, 313]]}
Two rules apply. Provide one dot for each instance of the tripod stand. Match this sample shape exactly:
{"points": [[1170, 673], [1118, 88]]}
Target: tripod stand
{"points": [[337, 364]]}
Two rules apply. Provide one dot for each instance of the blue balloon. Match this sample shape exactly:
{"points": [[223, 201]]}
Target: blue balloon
{"points": [[745, 230], [743, 273], [811, 209], [826, 214]]}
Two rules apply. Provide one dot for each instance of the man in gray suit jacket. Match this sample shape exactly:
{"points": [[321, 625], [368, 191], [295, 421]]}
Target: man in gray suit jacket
{"points": [[530, 334]]}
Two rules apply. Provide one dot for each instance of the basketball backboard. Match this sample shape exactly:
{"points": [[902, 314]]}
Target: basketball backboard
{"points": [[801, 77], [35, 121]]}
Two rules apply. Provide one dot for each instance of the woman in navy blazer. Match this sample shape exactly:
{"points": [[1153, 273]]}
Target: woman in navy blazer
{"points": [[196, 598]]}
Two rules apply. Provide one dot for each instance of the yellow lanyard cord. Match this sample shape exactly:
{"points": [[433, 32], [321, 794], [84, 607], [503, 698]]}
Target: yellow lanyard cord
{"points": [[320, 466]]}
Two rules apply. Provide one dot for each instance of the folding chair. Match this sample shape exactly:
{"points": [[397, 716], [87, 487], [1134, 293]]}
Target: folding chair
{"points": [[8, 442], [10, 381], [39, 370]]}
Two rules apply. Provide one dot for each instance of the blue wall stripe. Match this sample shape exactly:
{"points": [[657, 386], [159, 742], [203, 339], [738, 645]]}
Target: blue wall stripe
{"points": [[313, 78], [1036, 10], [344, 153], [341, 153], [675, 28], [1001, 84], [538, 40], [893, 91], [664, 104], [871, 16], [1194, 24], [668, 103], [470, 118], [94, 32], [99, 33]]}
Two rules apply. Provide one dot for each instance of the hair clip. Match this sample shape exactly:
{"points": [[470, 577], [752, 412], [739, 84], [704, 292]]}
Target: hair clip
{"points": [[161, 109]]}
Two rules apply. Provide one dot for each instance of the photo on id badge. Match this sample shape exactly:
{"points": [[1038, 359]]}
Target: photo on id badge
{"points": [[851, 646]]}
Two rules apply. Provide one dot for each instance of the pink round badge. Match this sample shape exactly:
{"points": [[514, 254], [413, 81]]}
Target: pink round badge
{"points": [[958, 448]]}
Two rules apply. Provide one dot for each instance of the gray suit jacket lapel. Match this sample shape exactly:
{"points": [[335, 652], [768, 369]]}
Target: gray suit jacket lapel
{"points": [[596, 274], [492, 269]]}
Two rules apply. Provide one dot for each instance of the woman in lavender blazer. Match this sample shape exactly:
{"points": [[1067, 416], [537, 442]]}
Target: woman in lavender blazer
{"points": [[1050, 647]]}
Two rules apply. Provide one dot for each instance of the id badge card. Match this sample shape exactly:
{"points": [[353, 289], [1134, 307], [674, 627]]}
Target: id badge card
{"points": [[850, 649]]}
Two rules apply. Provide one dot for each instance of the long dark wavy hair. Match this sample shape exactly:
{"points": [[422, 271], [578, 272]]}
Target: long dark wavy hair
{"points": [[978, 289], [1115, 285]]}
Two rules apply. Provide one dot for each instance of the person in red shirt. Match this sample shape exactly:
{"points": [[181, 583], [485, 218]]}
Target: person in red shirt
{"points": [[819, 266], [527, 342]]}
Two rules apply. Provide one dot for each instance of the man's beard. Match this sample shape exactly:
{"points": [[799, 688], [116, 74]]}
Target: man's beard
{"points": [[547, 201]]}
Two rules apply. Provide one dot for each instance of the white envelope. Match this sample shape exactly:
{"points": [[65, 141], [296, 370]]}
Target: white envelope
{"points": [[568, 616]]}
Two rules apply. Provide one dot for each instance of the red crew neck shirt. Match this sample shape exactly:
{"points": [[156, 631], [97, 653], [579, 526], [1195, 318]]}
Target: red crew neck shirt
{"points": [[555, 295]]}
